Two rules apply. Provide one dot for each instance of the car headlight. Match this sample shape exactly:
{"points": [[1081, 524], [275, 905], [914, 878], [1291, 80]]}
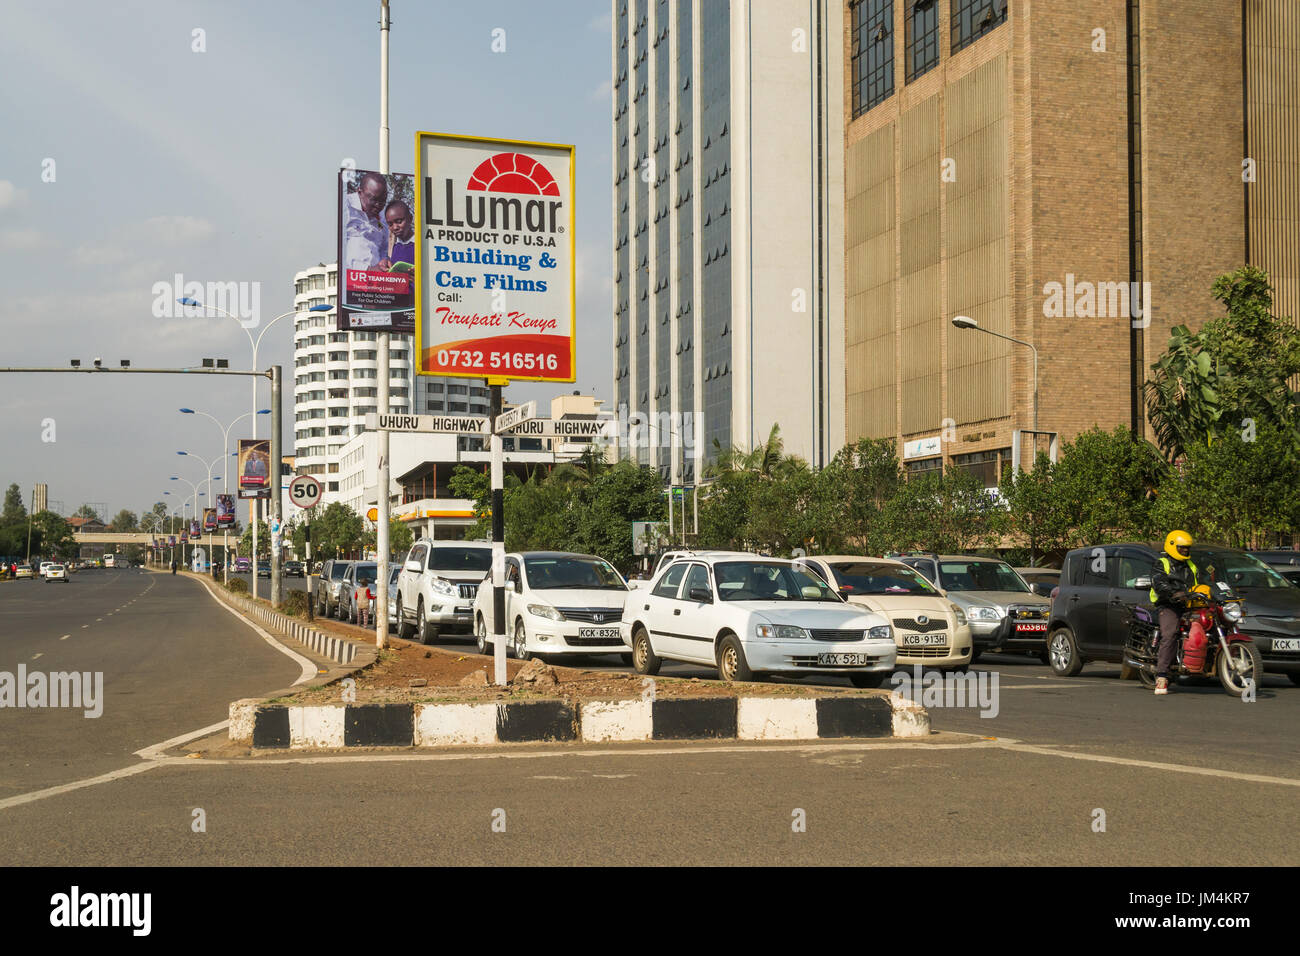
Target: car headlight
{"points": [[445, 588], [781, 632], [985, 614], [546, 611], [961, 616], [882, 633], [1232, 611]]}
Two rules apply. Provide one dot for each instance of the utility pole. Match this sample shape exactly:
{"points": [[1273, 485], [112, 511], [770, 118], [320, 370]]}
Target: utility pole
{"points": [[276, 497], [381, 533]]}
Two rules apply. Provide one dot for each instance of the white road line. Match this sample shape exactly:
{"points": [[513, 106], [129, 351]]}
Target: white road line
{"points": [[154, 751], [34, 656], [1151, 764], [65, 637], [77, 785]]}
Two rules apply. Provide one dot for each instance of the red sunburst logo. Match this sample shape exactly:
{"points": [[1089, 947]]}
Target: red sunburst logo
{"points": [[513, 173]]}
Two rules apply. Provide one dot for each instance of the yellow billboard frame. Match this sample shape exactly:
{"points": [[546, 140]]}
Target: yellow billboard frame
{"points": [[494, 379]]}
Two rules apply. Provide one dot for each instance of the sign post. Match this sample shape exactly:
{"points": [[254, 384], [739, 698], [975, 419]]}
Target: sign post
{"points": [[305, 492], [498, 537]]}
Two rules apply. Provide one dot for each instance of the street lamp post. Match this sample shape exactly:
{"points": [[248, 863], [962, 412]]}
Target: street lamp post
{"points": [[966, 322], [197, 495], [274, 469], [225, 455]]}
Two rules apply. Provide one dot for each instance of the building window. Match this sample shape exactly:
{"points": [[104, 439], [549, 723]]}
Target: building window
{"points": [[971, 19], [923, 465], [873, 53], [922, 38], [984, 465]]}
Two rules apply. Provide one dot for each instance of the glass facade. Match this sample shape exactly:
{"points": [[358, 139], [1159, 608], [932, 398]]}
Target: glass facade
{"points": [[872, 64], [715, 235], [684, 208], [641, 237], [661, 305], [971, 19], [922, 38]]}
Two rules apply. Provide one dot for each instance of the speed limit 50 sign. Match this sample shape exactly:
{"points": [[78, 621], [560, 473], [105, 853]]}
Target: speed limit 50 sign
{"points": [[304, 491]]}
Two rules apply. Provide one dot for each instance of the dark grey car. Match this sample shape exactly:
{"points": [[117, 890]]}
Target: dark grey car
{"points": [[328, 587]]}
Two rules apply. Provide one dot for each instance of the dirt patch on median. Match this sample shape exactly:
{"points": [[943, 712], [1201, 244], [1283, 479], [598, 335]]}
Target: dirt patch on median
{"points": [[411, 673]]}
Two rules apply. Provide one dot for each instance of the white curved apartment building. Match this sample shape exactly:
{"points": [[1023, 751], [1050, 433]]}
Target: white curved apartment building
{"points": [[336, 381]]}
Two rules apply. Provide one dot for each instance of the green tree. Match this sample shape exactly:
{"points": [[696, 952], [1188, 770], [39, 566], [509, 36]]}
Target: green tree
{"points": [[1036, 513], [87, 512], [14, 510], [605, 509], [125, 521], [1234, 492], [400, 538], [338, 530], [245, 547], [54, 534], [1232, 374], [949, 511], [1106, 483]]}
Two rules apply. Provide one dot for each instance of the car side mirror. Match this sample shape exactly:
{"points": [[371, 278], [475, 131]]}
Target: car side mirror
{"points": [[1142, 582], [412, 565], [701, 595]]}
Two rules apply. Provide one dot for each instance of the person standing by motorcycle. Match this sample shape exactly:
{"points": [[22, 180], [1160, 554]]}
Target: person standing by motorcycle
{"points": [[1172, 577]]}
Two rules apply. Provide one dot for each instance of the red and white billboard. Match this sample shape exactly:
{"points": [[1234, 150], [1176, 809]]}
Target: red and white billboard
{"points": [[495, 259]]}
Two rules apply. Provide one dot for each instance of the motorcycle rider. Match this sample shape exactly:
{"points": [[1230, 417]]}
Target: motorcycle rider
{"points": [[1172, 577]]}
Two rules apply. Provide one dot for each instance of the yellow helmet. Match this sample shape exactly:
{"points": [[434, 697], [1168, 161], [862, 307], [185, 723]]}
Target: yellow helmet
{"points": [[1202, 589], [1178, 545]]}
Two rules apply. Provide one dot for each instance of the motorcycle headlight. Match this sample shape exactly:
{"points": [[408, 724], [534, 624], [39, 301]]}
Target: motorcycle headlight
{"points": [[881, 633], [1232, 611], [546, 611], [985, 614], [780, 632]]}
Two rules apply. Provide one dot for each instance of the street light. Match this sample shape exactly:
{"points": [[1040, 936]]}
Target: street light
{"points": [[274, 468], [226, 455], [966, 322]]}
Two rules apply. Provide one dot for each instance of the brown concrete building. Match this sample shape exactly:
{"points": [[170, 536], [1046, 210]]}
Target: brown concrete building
{"points": [[1029, 164]]}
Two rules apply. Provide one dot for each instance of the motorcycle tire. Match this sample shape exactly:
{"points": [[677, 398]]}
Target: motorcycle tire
{"points": [[1228, 678], [1148, 679]]}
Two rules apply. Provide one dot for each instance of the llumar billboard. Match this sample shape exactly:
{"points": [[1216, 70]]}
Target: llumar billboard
{"points": [[495, 261]]}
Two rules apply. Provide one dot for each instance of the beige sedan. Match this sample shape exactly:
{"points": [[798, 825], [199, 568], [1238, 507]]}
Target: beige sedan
{"points": [[929, 630]]}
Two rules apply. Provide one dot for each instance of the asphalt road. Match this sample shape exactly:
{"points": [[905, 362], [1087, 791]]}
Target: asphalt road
{"points": [[1197, 777], [172, 660]]}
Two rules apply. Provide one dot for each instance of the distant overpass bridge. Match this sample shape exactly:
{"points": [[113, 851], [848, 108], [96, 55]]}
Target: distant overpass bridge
{"points": [[142, 538]]}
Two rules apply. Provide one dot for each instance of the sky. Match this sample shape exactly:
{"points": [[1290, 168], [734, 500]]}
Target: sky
{"points": [[129, 157]]}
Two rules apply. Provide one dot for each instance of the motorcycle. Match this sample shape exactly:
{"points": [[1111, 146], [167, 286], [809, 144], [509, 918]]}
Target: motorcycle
{"points": [[1209, 643]]}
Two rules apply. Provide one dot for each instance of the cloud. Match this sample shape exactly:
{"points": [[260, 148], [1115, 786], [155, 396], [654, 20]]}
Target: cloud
{"points": [[601, 24], [24, 240], [602, 93], [10, 195], [155, 232]]}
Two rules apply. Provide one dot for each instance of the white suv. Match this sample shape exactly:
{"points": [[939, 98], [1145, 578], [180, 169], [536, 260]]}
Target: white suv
{"points": [[748, 616], [437, 586]]}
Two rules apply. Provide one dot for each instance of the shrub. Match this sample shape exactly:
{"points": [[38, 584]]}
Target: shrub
{"points": [[295, 603], [237, 586]]}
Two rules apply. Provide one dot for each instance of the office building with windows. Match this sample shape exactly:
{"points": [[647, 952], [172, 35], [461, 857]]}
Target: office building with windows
{"points": [[728, 237], [1070, 175]]}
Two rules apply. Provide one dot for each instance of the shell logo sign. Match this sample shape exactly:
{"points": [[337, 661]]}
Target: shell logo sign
{"points": [[495, 258]]}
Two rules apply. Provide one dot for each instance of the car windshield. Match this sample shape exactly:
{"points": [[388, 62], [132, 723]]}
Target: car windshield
{"points": [[769, 581], [980, 576], [1240, 570], [337, 571], [461, 559], [557, 573], [365, 573], [878, 577]]}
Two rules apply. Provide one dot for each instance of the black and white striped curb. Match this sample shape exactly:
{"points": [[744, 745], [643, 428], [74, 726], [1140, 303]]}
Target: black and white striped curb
{"points": [[327, 645], [336, 726]]}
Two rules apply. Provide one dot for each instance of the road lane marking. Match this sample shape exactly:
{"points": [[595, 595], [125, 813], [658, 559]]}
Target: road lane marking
{"points": [[308, 668], [34, 656], [76, 785], [1149, 764], [65, 637]]}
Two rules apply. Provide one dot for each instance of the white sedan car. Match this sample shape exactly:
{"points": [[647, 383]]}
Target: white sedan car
{"points": [[556, 603], [56, 572], [749, 616]]}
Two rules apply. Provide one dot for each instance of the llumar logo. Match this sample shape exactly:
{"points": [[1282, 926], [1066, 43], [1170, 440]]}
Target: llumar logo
{"points": [[503, 173]]}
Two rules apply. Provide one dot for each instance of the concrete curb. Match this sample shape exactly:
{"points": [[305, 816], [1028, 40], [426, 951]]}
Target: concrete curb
{"points": [[338, 649], [331, 727]]}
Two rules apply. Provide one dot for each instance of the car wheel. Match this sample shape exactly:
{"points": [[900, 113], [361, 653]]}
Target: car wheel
{"points": [[520, 646], [423, 629], [874, 679], [644, 658], [481, 641], [732, 665], [1063, 653], [975, 652], [404, 630]]}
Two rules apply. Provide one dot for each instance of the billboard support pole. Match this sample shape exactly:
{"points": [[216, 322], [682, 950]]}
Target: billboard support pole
{"points": [[498, 538], [276, 497], [382, 545]]}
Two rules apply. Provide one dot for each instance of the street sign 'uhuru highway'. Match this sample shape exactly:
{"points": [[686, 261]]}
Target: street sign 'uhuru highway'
{"points": [[452, 424], [565, 428]]}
